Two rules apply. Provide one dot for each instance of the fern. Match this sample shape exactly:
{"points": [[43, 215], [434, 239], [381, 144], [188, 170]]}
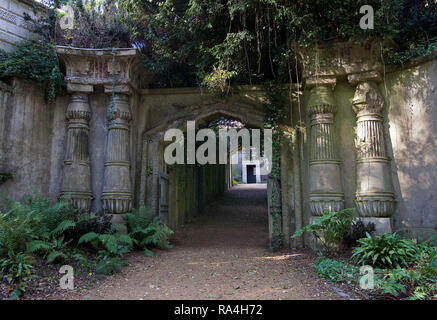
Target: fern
{"points": [[63, 226], [90, 237], [148, 231], [38, 245], [35, 218], [54, 249], [54, 255], [109, 242]]}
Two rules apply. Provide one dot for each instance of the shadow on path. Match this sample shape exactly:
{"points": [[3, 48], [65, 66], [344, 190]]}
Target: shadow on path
{"points": [[222, 255]]}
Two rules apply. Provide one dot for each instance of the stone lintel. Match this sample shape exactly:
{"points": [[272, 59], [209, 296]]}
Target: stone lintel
{"points": [[108, 67], [355, 78], [382, 225], [77, 87], [320, 81], [96, 52], [122, 88], [341, 59]]}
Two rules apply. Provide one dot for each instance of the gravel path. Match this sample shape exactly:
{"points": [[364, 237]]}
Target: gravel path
{"points": [[222, 255]]}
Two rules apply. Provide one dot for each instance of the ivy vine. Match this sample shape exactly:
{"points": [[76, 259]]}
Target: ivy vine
{"points": [[34, 60], [274, 102]]}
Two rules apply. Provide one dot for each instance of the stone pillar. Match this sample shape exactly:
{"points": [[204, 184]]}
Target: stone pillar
{"points": [[374, 194], [76, 181], [325, 182], [117, 194]]}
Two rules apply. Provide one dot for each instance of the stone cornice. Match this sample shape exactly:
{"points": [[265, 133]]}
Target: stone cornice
{"points": [[320, 81], [201, 90], [119, 70], [356, 78], [340, 59], [353, 62]]}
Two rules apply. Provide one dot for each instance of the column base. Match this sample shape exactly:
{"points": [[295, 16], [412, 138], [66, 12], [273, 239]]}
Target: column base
{"points": [[316, 244], [118, 219], [117, 203], [382, 225], [375, 204], [320, 203], [79, 200]]}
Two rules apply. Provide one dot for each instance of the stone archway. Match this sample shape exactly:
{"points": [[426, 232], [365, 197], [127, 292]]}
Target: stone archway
{"points": [[125, 124], [152, 144]]}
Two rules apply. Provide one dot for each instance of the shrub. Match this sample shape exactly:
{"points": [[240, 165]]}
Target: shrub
{"points": [[388, 250], [114, 244], [415, 282], [36, 225], [218, 81], [16, 269], [33, 218], [54, 249], [85, 223], [335, 270], [403, 282], [330, 229], [147, 230]]}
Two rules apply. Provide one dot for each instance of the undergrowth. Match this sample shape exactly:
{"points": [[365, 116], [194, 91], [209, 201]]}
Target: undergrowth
{"points": [[59, 234]]}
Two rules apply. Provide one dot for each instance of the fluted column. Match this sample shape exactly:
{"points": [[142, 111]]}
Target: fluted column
{"points": [[325, 182], [374, 194], [76, 182], [117, 194]]}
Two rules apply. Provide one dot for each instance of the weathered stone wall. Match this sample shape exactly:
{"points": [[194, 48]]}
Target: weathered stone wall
{"points": [[26, 124], [34, 139], [412, 142], [409, 128], [33, 145], [13, 27]]}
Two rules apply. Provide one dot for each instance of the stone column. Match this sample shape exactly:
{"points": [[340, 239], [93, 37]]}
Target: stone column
{"points": [[117, 193], [374, 194], [325, 182], [76, 182]]}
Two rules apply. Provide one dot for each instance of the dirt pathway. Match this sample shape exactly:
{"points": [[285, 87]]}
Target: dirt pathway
{"points": [[222, 255]]}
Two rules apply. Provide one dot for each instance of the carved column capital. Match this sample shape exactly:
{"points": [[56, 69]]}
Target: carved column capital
{"points": [[119, 110], [367, 100], [113, 68], [321, 105], [78, 109]]}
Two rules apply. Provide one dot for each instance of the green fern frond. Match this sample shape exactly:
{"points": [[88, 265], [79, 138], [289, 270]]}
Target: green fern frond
{"points": [[63, 226], [88, 237], [38, 245], [56, 255]]}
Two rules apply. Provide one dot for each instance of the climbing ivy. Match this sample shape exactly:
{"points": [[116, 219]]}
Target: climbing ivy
{"points": [[184, 40], [274, 103], [204, 42], [34, 60]]}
